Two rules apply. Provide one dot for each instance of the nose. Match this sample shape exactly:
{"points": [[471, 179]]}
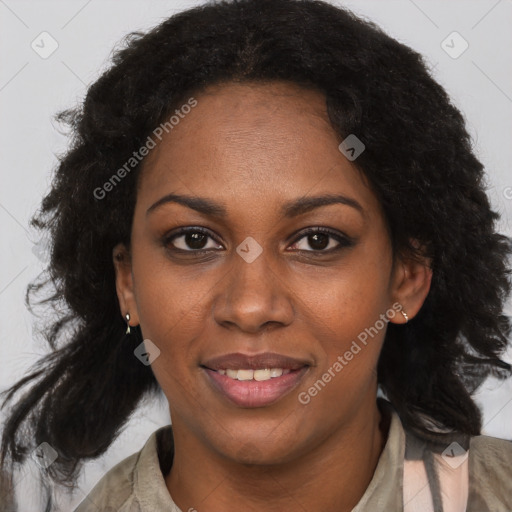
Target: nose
{"points": [[253, 296]]}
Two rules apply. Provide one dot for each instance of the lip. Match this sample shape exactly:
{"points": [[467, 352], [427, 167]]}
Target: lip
{"points": [[251, 394], [239, 361]]}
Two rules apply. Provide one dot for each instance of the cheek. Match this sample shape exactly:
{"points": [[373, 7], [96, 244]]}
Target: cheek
{"points": [[351, 335], [355, 296], [171, 308], [170, 298], [349, 340], [351, 308]]}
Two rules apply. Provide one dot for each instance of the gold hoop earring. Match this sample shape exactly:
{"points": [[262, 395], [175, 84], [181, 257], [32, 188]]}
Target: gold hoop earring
{"points": [[405, 316]]}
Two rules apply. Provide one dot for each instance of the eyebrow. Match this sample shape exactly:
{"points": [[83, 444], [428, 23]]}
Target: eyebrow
{"points": [[290, 209]]}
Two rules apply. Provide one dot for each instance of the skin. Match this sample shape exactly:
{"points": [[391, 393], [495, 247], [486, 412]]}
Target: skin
{"points": [[253, 147]]}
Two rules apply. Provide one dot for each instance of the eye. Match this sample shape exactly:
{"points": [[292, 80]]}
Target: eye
{"points": [[322, 240], [197, 241], [191, 239]]}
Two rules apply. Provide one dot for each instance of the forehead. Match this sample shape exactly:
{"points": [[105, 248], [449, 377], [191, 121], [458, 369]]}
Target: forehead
{"points": [[261, 142]]}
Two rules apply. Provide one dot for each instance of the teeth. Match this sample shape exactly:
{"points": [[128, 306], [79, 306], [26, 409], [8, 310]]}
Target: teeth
{"points": [[245, 374], [258, 375], [262, 374]]}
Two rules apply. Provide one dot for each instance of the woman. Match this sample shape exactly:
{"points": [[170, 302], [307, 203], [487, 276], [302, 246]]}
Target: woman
{"points": [[270, 211]]}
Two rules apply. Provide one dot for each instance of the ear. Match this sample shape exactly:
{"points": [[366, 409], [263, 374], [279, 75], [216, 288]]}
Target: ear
{"points": [[124, 283], [411, 281]]}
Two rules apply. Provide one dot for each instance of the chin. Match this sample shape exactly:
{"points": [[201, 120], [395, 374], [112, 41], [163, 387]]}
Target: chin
{"points": [[260, 452]]}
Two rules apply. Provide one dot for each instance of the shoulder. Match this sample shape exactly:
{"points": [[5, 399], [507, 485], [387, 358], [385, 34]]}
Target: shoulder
{"points": [[116, 491], [490, 473], [491, 457]]}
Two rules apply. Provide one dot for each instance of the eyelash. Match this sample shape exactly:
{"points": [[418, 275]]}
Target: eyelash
{"points": [[343, 240]]}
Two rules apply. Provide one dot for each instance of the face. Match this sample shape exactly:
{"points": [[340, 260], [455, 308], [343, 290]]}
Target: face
{"points": [[256, 288]]}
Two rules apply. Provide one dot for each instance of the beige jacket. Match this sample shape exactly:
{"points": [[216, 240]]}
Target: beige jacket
{"points": [[137, 483]]}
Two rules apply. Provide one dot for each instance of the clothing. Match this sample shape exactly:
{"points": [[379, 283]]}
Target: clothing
{"points": [[137, 483]]}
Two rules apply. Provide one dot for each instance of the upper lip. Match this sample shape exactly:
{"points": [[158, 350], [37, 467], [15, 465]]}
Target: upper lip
{"points": [[238, 361]]}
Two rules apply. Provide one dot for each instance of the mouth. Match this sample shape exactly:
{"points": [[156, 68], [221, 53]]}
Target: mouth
{"points": [[254, 381], [260, 375]]}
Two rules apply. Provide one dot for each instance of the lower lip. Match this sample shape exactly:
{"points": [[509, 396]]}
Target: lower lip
{"points": [[252, 393]]}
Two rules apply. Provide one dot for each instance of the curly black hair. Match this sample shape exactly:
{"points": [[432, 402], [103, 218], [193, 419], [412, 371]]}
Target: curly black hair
{"points": [[418, 160]]}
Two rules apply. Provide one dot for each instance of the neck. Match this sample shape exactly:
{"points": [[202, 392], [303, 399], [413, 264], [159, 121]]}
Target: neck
{"points": [[333, 477]]}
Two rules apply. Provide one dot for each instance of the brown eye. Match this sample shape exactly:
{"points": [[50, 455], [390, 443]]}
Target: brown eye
{"points": [[321, 240], [191, 240], [318, 241]]}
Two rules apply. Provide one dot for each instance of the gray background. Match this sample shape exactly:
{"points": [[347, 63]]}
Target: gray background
{"points": [[33, 89]]}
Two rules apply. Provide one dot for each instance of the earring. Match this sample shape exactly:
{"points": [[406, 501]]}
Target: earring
{"points": [[127, 316], [405, 316]]}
